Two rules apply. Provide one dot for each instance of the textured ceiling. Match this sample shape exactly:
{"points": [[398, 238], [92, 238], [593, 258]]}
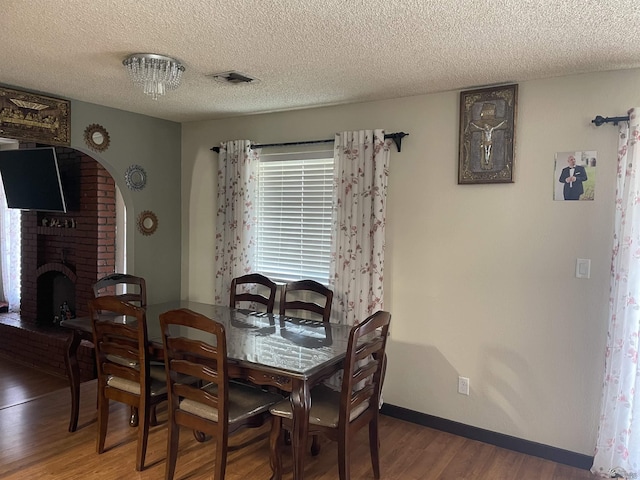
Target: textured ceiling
{"points": [[306, 52]]}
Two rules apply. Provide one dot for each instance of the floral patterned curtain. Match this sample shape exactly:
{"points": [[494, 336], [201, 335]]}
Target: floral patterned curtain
{"points": [[618, 444], [10, 240], [235, 215], [357, 254]]}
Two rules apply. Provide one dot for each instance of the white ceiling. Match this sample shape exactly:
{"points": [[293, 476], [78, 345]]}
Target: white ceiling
{"points": [[306, 52]]}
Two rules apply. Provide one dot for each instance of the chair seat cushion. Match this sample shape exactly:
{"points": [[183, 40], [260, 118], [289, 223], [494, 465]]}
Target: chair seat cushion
{"points": [[325, 408], [244, 401], [156, 388]]}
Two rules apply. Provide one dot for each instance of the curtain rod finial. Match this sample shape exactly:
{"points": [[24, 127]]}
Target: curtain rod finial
{"points": [[397, 139], [599, 120]]}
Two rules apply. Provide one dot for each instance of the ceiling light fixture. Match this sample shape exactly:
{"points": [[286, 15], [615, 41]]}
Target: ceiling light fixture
{"points": [[154, 73]]}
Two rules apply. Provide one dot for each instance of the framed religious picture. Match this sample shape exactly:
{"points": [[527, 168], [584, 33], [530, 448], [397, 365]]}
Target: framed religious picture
{"points": [[487, 130], [34, 118]]}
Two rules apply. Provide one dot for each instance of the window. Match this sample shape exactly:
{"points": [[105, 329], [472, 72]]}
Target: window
{"points": [[295, 200], [10, 246]]}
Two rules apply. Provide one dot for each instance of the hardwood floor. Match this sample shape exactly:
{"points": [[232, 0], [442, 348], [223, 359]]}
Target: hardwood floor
{"points": [[34, 443], [21, 383]]}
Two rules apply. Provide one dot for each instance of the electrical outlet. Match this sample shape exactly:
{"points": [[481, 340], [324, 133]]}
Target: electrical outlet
{"points": [[463, 385]]}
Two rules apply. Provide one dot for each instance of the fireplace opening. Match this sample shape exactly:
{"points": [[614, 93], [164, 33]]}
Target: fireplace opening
{"points": [[56, 298]]}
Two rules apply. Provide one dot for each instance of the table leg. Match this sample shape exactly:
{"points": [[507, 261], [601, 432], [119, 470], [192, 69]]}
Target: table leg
{"points": [[300, 404], [73, 372]]}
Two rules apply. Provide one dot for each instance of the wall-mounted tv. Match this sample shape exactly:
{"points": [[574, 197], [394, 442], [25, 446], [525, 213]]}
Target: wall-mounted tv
{"points": [[31, 179]]}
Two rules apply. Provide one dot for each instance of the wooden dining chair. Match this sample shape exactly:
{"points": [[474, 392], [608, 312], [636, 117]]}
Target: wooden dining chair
{"points": [[136, 293], [218, 408], [253, 288], [339, 415], [123, 366], [109, 284], [306, 296]]}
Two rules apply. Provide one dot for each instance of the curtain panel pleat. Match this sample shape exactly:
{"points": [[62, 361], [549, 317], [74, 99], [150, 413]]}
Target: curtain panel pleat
{"points": [[618, 443], [235, 215], [359, 218], [10, 242]]}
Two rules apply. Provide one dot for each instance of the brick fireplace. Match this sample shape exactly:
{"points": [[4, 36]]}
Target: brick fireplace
{"points": [[63, 254]]}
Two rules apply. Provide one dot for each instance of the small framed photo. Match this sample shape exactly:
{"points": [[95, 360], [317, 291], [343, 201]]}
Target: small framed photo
{"points": [[487, 130], [574, 175]]}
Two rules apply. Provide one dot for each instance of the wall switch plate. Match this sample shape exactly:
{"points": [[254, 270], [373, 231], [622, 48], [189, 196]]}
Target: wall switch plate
{"points": [[463, 385], [583, 268]]}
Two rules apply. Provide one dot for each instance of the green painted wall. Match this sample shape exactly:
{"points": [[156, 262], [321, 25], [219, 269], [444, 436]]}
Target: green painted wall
{"points": [[155, 145]]}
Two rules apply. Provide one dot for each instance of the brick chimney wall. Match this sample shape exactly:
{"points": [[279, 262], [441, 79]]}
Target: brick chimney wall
{"points": [[79, 244]]}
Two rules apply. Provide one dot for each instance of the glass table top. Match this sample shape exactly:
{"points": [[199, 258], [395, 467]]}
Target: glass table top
{"points": [[296, 345]]}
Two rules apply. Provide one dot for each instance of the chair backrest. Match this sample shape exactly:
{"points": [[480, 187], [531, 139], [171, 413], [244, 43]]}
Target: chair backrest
{"points": [[364, 366], [121, 347], [250, 287], [300, 296], [204, 359], [107, 286]]}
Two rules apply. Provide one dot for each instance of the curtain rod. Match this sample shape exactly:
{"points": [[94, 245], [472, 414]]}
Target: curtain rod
{"points": [[599, 120], [396, 137]]}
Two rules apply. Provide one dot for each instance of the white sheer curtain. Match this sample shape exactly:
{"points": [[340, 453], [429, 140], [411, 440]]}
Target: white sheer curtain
{"points": [[235, 215], [10, 253], [357, 256], [618, 444]]}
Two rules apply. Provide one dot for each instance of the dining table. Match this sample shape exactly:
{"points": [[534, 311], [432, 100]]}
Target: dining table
{"points": [[289, 353]]}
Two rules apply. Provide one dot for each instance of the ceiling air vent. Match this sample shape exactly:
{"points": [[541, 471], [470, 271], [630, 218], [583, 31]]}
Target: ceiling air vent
{"points": [[234, 78]]}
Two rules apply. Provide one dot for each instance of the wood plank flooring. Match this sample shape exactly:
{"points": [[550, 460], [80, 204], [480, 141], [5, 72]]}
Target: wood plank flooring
{"points": [[35, 444], [21, 383]]}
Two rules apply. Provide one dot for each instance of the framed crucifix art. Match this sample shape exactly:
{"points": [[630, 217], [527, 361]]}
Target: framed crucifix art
{"points": [[487, 129]]}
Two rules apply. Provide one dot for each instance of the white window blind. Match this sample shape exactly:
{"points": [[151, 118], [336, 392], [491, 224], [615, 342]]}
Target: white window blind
{"points": [[295, 197]]}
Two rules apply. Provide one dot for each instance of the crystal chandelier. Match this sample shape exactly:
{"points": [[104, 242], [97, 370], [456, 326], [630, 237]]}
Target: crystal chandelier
{"points": [[154, 73]]}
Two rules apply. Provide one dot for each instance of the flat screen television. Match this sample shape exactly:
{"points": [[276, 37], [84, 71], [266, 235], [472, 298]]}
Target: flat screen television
{"points": [[31, 179]]}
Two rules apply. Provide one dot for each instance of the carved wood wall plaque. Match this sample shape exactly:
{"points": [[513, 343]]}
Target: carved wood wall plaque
{"points": [[34, 118]]}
